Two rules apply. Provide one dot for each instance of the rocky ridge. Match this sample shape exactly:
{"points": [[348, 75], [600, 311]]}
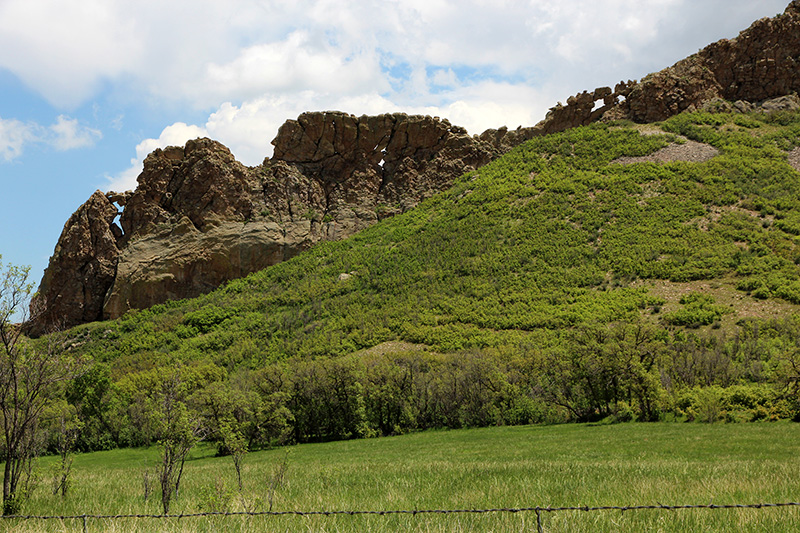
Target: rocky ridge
{"points": [[199, 218], [762, 63]]}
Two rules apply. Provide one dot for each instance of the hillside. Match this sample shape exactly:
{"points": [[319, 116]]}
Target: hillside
{"points": [[199, 218], [609, 270]]}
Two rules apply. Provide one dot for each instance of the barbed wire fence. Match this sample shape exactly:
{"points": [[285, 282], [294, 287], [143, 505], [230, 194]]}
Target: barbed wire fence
{"points": [[539, 511]]}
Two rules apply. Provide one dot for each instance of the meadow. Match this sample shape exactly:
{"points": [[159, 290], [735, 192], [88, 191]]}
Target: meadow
{"points": [[498, 467]]}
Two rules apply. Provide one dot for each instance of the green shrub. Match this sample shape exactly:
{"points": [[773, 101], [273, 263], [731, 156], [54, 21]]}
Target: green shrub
{"points": [[206, 318], [699, 309]]}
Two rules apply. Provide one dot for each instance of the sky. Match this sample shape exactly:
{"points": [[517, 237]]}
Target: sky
{"points": [[88, 88]]}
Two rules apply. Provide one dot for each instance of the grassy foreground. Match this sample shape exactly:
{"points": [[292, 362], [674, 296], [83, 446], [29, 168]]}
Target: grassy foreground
{"points": [[627, 464]]}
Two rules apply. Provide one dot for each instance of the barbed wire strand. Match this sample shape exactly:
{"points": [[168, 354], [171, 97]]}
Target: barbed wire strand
{"points": [[537, 510]]}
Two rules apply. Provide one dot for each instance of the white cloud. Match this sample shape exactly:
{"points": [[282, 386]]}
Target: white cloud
{"points": [[301, 62], [64, 49], [205, 52], [66, 134], [491, 105], [13, 137], [444, 78], [248, 129]]}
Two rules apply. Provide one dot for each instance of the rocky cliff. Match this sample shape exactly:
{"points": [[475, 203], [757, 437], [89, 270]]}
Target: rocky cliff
{"points": [[199, 218]]}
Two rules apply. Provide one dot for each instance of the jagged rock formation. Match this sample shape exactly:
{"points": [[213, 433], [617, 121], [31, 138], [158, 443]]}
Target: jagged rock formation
{"points": [[83, 265], [762, 63], [392, 159], [199, 218]]}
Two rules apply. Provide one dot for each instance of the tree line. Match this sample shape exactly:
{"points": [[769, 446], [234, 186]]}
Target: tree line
{"points": [[615, 372]]}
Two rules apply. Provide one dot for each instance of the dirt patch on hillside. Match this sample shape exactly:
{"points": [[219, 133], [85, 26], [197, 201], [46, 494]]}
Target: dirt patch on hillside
{"points": [[794, 159], [649, 129], [691, 151], [740, 304], [391, 347]]}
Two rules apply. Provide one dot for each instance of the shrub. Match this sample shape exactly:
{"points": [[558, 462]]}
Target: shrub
{"points": [[699, 309], [206, 318]]}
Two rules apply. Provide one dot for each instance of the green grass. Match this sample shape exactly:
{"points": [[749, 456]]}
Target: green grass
{"points": [[524, 466]]}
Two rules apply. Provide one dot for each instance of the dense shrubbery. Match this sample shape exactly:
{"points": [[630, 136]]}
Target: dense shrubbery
{"points": [[619, 371], [518, 282]]}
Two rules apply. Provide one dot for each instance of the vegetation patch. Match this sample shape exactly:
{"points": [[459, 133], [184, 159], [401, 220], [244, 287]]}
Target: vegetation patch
{"points": [[698, 310]]}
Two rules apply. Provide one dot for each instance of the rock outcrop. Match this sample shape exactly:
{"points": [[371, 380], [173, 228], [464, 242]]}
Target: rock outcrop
{"points": [[199, 218], [762, 63], [395, 159], [82, 267]]}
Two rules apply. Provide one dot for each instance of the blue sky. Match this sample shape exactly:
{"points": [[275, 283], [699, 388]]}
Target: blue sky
{"points": [[88, 88]]}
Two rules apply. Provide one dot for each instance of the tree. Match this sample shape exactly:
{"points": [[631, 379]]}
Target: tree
{"points": [[236, 445], [64, 430], [179, 430], [603, 369], [29, 374]]}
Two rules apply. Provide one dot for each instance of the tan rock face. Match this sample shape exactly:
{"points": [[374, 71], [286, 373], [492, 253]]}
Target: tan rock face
{"points": [[202, 182], [184, 262], [199, 218]]}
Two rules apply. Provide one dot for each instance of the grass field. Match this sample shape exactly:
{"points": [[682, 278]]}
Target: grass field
{"points": [[567, 465]]}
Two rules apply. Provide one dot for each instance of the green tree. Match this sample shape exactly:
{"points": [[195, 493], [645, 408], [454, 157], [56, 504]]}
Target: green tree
{"points": [[29, 375], [92, 395], [236, 444], [179, 429], [64, 428]]}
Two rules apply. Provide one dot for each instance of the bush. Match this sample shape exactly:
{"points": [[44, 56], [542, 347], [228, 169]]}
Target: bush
{"points": [[206, 318], [702, 404], [699, 310]]}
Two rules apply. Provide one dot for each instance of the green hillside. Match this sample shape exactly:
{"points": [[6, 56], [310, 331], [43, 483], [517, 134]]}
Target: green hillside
{"points": [[554, 284]]}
